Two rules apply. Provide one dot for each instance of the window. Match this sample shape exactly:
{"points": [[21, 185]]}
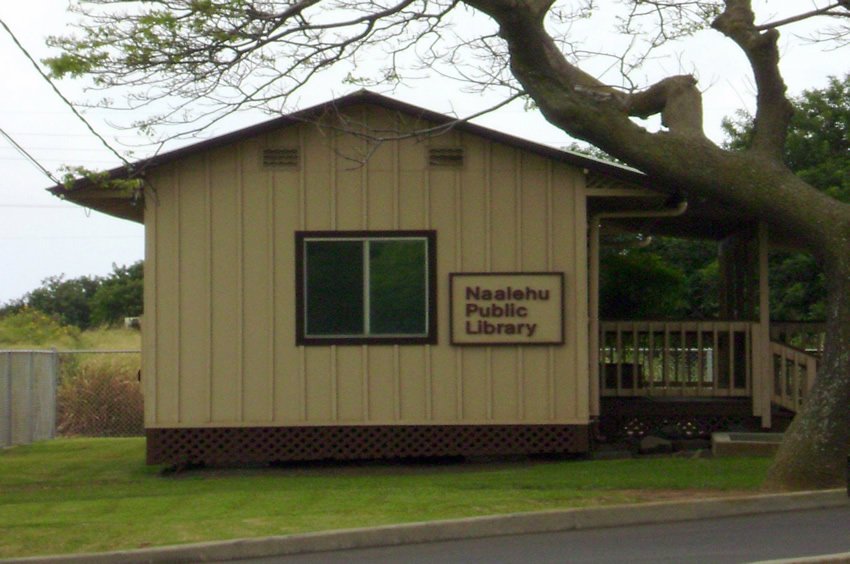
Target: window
{"points": [[366, 287]]}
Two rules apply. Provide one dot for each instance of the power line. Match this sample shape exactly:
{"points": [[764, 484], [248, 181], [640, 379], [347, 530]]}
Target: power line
{"points": [[40, 206], [62, 96], [72, 238], [59, 160], [29, 157], [64, 149]]}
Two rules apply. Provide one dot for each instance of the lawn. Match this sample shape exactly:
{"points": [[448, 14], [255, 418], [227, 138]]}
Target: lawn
{"points": [[82, 495]]}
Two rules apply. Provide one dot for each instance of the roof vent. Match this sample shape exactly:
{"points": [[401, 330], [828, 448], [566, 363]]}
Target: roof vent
{"points": [[280, 158], [452, 157]]}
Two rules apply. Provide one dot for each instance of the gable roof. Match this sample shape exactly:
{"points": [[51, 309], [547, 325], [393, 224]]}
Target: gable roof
{"points": [[86, 192]]}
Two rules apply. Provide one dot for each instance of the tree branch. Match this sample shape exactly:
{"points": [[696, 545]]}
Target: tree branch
{"points": [[825, 11], [774, 109], [576, 101], [676, 98]]}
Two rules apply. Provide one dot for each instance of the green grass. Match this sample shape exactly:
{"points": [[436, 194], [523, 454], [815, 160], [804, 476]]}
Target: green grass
{"points": [[82, 495]]}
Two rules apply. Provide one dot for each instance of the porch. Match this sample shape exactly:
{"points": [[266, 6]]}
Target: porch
{"points": [[742, 371], [702, 376]]}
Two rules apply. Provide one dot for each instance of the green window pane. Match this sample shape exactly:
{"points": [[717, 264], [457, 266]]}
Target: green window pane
{"points": [[334, 287], [397, 287]]}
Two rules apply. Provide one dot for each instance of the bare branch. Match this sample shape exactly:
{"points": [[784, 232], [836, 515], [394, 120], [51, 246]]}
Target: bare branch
{"points": [[238, 55], [829, 10]]}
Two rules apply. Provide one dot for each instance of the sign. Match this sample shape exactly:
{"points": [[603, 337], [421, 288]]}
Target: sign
{"points": [[506, 308]]}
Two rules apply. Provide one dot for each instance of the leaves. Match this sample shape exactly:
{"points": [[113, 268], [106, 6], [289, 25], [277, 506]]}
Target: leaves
{"points": [[86, 301]]}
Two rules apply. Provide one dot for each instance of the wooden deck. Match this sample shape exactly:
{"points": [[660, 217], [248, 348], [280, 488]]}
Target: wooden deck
{"points": [[708, 359]]}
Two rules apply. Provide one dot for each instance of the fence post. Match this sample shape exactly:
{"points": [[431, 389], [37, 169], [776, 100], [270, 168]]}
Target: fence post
{"points": [[31, 408], [6, 400], [54, 386]]}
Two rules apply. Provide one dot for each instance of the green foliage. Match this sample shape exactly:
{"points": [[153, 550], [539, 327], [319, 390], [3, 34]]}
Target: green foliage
{"points": [[66, 300], [818, 151], [671, 278], [636, 284], [100, 180], [83, 495], [818, 145], [119, 295], [697, 260], [30, 327], [798, 290], [87, 301], [100, 395]]}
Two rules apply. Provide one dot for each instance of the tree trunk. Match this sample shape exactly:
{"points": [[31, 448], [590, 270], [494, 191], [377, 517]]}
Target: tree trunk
{"points": [[814, 452]]}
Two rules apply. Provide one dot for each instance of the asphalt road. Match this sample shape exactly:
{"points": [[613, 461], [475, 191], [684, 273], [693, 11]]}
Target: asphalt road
{"points": [[731, 539]]}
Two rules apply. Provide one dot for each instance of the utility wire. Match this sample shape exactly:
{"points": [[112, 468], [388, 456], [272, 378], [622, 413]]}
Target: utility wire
{"points": [[40, 206], [62, 96], [29, 157]]}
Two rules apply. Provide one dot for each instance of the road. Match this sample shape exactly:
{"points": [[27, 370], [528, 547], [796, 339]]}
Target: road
{"points": [[731, 539]]}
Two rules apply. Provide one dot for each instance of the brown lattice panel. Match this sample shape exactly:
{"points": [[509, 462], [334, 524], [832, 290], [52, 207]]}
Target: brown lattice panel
{"points": [[229, 445]]}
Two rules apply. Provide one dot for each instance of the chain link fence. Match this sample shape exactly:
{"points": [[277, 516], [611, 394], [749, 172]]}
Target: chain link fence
{"points": [[99, 394]]}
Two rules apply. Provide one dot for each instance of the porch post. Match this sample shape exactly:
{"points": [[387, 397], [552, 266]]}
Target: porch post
{"points": [[593, 311], [762, 361]]}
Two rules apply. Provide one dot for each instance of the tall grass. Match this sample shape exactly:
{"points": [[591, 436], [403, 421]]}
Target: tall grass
{"points": [[32, 329], [99, 395], [111, 338]]}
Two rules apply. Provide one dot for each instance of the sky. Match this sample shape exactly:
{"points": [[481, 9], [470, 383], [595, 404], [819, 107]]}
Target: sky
{"points": [[42, 236]]}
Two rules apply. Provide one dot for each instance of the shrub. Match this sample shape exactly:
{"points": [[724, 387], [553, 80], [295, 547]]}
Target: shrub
{"points": [[119, 296], [100, 396], [31, 327], [66, 300]]}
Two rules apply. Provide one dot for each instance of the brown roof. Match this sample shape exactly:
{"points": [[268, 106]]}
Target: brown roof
{"points": [[703, 219], [84, 191]]}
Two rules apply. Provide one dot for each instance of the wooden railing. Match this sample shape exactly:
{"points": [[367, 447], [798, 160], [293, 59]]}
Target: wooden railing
{"points": [[805, 335], [675, 358], [793, 374]]}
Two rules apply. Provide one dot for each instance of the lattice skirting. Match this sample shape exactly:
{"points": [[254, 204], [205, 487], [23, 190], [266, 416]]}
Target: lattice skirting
{"points": [[229, 445], [634, 418]]}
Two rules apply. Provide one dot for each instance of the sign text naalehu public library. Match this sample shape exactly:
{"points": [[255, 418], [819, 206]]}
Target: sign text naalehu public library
{"points": [[507, 308]]}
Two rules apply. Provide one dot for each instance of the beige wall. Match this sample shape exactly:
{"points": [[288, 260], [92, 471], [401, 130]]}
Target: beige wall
{"points": [[220, 291]]}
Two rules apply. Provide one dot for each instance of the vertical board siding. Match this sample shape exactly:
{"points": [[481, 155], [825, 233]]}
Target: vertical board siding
{"points": [[473, 239], [442, 207], [225, 287], [168, 302], [507, 379], [151, 306], [531, 215], [287, 187], [256, 314], [193, 294], [566, 359], [504, 210], [319, 198], [578, 321]]}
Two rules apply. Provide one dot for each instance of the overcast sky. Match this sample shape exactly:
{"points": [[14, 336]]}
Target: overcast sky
{"points": [[42, 236]]}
